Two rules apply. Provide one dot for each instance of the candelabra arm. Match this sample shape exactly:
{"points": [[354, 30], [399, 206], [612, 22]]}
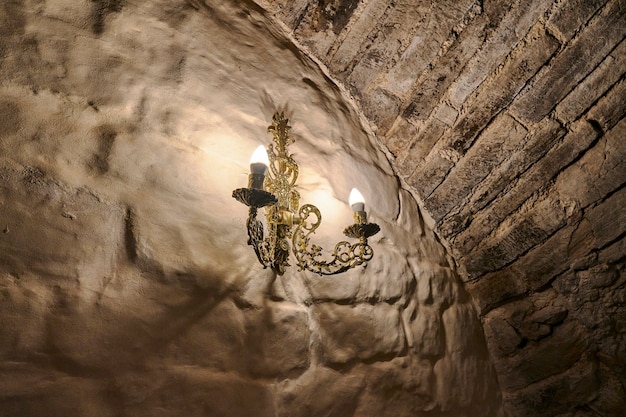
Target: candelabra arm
{"points": [[309, 256]]}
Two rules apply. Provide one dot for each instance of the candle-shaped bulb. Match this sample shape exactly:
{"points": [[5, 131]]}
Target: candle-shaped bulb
{"points": [[356, 200], [259, 161]]}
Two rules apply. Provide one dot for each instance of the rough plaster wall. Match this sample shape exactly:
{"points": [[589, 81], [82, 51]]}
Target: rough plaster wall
{"points": [[126, 286], [507, 120]]}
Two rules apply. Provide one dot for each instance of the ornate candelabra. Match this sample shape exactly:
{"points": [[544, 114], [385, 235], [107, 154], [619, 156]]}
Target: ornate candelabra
{"points": [[272, 184]]}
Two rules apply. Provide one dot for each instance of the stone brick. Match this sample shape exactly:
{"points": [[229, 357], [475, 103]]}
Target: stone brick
{"points": [[599, 276], [315, 30], [573, 63], [609, 109], [515, 312], [511, 25], [540, 360], [593, 86], [610, 343], [489, 150], [362, 332], [538, 142], [398, 138], [533, 147], [492, 97], [446, 114], [431, 172], [171, 286], [399, 19], [496, 287], [495, 93], [569, 16], [288, 12], [502, 335], [554, 256], [451, 397], [607, 219], [176, 317], [534, 331], [549, 315], [381, 107], [420, 52], [580, 137], [611, 400], [433, 84], [547, 260], [58, 393], [386, 279], [613, 252], [341, 290], [561, 393], [599, 172], [419, 146], [11, 115], [331, 17], [358, 35], [520, 233]]}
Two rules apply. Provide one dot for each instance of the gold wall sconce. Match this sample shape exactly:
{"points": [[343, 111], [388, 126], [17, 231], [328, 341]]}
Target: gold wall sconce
{"points": [[272, 184]]}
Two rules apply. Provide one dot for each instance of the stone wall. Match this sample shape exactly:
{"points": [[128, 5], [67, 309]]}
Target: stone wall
{"points": [[126, 285], [506, 118]]}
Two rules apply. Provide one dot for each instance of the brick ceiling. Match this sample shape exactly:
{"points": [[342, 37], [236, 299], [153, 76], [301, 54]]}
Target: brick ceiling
{"points": [[507, 121]]}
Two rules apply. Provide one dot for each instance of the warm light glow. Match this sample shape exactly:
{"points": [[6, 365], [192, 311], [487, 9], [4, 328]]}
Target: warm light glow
{"points": [[356, 197], [357, 202], [259, 156], [288, 222]]}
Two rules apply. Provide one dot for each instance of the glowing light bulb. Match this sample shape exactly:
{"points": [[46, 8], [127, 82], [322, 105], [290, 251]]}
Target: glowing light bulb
{"points": [[259, 161], [356, 200]]}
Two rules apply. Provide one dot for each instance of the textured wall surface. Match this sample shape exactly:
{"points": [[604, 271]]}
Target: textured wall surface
{"points": [[126, 285], [507, 120]]}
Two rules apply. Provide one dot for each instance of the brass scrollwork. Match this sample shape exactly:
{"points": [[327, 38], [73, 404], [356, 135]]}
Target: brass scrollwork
{"points": [[282, 211], [310, 257]]}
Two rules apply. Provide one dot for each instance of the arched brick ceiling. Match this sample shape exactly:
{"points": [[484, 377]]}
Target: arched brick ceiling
{"points": [[507, 120]]}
